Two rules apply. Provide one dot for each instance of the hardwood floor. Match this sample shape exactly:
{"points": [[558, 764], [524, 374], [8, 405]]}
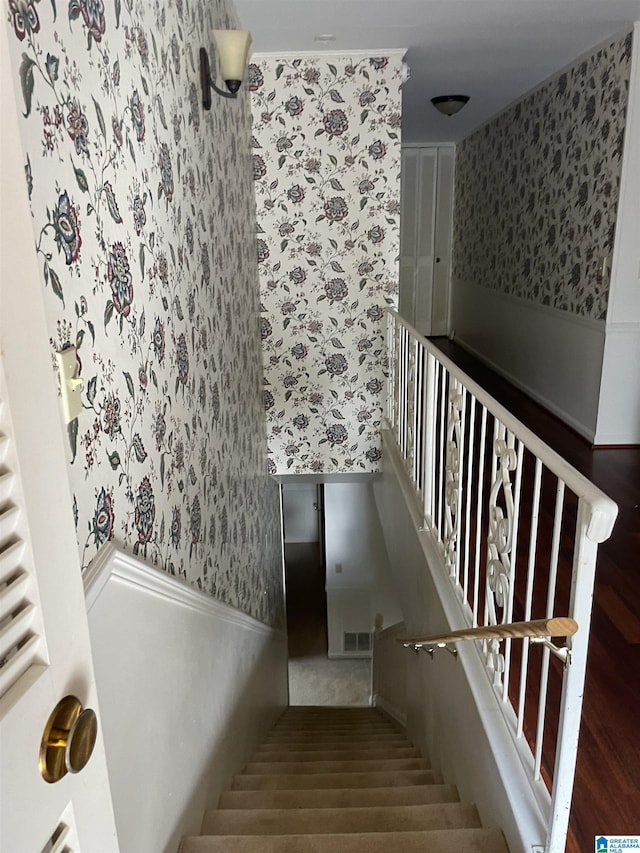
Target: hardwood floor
{"points": [[606, 798], [306, 600]]}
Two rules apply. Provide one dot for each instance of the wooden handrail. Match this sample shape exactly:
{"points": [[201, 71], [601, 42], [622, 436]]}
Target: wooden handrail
{"points": [[558, 626]]}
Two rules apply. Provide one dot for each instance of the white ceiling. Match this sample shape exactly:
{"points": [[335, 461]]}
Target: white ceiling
{"points": [[492, 50]]}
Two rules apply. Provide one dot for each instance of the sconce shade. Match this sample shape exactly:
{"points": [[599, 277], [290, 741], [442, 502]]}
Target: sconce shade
{"points": [[232, 47], [449, 105]]}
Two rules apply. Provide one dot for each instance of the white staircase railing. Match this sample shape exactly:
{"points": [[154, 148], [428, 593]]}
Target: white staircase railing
{"points": [[517, 529]]}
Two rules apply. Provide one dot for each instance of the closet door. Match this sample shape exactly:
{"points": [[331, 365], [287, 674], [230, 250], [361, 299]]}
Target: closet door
{"points": [[442, 242], [425, 216]]}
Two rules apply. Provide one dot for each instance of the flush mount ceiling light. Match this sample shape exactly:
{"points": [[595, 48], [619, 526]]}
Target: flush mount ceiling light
{"points": [[449, 105], [232, 47], [324, 37]]}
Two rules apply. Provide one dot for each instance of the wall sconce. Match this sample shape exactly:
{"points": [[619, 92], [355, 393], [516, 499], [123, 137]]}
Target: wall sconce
{"points": [[232, 47], [449, 105]]}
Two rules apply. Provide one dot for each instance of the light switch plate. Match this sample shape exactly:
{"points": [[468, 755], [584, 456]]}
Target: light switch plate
{"points": [[70, 383]]}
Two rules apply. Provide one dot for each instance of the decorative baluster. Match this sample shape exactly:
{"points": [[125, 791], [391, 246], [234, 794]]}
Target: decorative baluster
{"points": [[452, 475], [508, 614], [500, 541]]}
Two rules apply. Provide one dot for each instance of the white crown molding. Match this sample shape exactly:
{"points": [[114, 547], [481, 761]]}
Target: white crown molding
{"points": [[112, 563], [374, 53]]}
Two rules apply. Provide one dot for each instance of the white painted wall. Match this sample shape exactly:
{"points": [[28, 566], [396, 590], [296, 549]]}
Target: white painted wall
{"points": [[389, 672], [187, 687], [355, 543], [450, 710], [555, 356], [619, 406]]}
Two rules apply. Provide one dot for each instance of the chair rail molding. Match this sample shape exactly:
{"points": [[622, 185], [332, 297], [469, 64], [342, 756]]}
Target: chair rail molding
{"points": [[112, 562]]}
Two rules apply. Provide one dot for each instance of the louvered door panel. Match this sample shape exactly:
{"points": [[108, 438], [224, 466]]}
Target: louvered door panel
{"points": [[21, 634]]}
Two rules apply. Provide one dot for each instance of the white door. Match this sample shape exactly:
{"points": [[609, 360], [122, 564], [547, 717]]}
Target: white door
{"points": [[426, 218], [45, 653], [425, 237]]}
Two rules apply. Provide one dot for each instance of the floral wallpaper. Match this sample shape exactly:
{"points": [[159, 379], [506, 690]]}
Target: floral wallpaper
{"points": [[537, 188], [144, 220], [326, 165]]}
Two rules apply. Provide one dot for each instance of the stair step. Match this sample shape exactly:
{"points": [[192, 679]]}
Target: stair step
{"points": [[346, 820], [434, 841], [376, 779], [321, 721], [261, 768], [345, 745], [333, 711], [354, 754], [329, 719], [344, 729], [339, 797], [340, 737]]}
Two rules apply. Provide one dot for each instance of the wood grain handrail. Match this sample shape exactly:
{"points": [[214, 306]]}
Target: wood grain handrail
{"points": [[558, 626]]}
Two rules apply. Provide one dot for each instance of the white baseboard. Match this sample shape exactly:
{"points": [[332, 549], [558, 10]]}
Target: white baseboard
{"points": [[553, 356], [619, 410], [389, 709]]}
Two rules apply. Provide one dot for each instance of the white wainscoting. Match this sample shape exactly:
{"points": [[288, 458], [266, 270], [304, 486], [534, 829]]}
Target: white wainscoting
{"points": [[619, 413], [553, 356], [187, 688]]}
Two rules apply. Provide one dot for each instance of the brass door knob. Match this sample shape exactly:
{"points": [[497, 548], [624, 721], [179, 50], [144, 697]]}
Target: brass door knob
{"points": [[68, 739]]}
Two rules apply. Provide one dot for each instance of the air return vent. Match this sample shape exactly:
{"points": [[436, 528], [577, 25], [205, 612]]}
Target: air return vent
{"points": [[356, 642]]}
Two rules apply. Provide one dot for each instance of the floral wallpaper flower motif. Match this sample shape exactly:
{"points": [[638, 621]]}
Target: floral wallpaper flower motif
{"points": [[143, 214], [537, 188], [326, 167]]}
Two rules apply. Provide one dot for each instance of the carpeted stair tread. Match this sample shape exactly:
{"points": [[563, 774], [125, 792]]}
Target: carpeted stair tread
{"points": [[376, 779], [354, 754], [433, 841], [339, 797], [339, 737], [351, 709], [343, 780], [345, 745], [261, 768], [334, 712], [373, 729], [321, 820], [320, 724]]}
